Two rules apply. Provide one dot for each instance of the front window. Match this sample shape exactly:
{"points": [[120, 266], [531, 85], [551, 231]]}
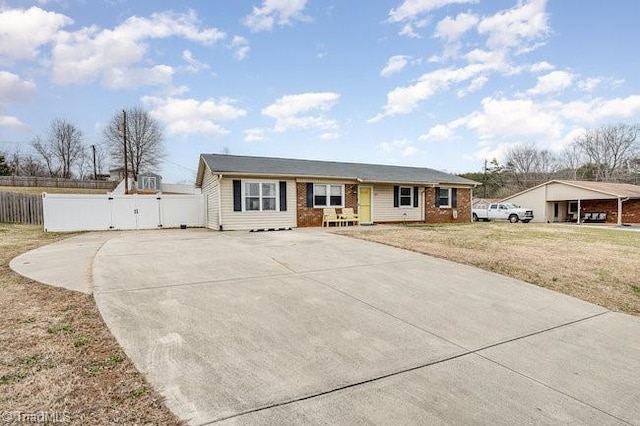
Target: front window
{"points": [[148, 182], [406, 196], [444, 197], [328, 195], [573, 207], [260, 196]]}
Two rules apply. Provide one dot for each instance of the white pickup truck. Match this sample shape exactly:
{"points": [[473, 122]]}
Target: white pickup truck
{"points": [[503, 211]]}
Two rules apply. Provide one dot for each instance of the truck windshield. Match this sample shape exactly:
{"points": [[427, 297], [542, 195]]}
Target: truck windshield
{"points": [[513, 206]]}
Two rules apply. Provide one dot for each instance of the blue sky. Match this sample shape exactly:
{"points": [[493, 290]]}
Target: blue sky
{"points": [[435, 83]]}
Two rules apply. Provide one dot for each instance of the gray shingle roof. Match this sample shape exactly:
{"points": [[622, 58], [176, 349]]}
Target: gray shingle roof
{"points": [[234, 164]]}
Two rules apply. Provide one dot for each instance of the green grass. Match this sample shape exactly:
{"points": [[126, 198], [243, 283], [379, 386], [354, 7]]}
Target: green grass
{"points": [[9, 379], [106, 364]]}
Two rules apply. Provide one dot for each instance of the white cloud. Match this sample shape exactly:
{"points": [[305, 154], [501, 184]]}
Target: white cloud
{"points": [[288, 110], [24, 31], [600, 110], [330, 136], [589, 84], [439, 132], [408, 28], [475, 85], [118, 78], [193, 116], [514, 118], [403, 100], [451, 29], [410, 9], [551, 124], [553, 82], [395, 64], [11, 122], [13, 88], [111, 56], [515, 27], [275, 12], [541, 67], [193, 65], [401, 147], [255, 135], [241, 47]]}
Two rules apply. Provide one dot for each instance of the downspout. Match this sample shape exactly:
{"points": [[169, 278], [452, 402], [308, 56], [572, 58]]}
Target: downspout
{"points": [[220, 202], [579, 212]]}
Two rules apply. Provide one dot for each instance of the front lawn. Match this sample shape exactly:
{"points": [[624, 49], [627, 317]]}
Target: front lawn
{"points": [[57, 357], [599, 265]]}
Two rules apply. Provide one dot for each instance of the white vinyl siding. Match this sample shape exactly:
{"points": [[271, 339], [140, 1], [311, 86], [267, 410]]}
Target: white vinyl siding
{"points": [[384, 211], [535, 200], [210, 188], [561, 192], [245, 220]]}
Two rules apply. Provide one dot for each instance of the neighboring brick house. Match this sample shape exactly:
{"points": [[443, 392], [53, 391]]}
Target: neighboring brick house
{"points": [[578, 201], [245, 193]]}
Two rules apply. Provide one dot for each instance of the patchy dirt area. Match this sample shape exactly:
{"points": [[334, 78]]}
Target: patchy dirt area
{"points": [[598, 265], [58, 360]]}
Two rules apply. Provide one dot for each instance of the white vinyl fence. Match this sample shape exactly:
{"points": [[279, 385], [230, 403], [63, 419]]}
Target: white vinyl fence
{"points": [[71, 212]]}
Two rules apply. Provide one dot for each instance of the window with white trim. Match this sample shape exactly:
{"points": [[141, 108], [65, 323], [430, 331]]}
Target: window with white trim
{"points": [[444, 197], [325, 195], [406, 196], [148, 182], [260, 196]]}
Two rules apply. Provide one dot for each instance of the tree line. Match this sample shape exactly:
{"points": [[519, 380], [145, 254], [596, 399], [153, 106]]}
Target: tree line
{"points": [[609, 153], [63, 151]]}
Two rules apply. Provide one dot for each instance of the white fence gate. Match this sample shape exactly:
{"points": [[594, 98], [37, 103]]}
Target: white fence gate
{"points": [[71, 212]]}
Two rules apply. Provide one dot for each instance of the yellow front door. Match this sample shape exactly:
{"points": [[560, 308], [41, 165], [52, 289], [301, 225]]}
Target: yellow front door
{"points": [[364, 204]]}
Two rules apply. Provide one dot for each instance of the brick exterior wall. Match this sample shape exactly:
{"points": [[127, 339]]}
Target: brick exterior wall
{"points": [[630, 210], [309, 216], [435, 214]]}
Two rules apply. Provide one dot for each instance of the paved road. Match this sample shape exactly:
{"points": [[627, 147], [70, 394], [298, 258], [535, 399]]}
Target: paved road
{"points": [[309, 327]]}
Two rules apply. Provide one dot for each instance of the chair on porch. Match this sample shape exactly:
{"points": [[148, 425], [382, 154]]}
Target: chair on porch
{"points": [[330, 216], [349, 216]]}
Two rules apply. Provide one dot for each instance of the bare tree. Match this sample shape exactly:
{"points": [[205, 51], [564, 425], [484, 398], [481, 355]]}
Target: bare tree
{"points": [[61, 149], [529, 166], [609, 149], [145, 148]]}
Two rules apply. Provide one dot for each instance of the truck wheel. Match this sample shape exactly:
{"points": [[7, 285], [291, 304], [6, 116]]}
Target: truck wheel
{"points": [[513, 218], [475, 217]]}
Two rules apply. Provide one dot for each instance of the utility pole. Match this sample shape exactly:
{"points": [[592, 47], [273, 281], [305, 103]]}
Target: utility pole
{"points": [[485, 179], [124, 133], [95, 173]]}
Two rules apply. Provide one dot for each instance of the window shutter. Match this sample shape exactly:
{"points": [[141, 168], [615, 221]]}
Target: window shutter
{"points": [[454, 197], [309, 195], [237, 196], [415, 196], [396, 196], [283, 196], [437, 198]]}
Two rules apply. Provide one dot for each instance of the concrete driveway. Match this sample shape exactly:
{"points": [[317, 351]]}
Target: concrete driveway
{"points": [[308, 327]]}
